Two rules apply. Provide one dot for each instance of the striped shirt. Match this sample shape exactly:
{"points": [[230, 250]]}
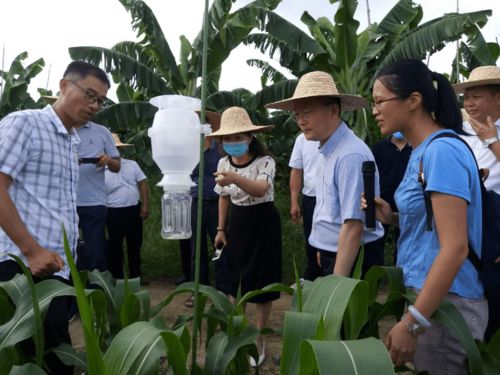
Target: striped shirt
{"points": [[40, 156]]}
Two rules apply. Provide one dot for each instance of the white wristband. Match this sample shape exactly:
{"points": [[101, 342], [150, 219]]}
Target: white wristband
{"points": [[419, 317]]}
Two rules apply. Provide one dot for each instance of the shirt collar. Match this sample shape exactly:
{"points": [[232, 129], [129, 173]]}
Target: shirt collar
{"points": [[334, 139], [60, 128]]}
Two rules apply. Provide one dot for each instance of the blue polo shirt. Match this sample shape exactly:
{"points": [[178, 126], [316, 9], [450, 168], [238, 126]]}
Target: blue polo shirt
{"points": [[95, 140], [449, 168], [339, 185]]}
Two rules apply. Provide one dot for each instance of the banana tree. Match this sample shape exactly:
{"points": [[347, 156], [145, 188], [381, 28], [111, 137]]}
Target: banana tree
{"points": [[14, 85], [475, 52], [353, 59], [148, 68]]}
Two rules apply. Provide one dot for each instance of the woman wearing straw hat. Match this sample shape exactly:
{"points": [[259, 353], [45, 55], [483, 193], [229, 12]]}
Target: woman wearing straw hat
{"points": [[249, 224], [408, 97], [337, 228]]}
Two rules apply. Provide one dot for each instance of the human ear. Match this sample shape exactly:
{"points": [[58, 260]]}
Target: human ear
{"points": [[415, 100]]}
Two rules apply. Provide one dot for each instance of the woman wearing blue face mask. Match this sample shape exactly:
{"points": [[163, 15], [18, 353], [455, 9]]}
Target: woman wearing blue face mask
{"points": [[249, 224]]}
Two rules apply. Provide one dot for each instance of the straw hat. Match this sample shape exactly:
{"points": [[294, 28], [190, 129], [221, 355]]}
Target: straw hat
{"points": [[319, 84], [213, 118], [117, 141], [236, 120], [483, 75], [49, 99]]}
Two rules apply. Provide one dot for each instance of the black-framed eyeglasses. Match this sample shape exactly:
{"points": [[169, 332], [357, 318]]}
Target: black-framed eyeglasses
{"points": [[92, 98], [308, 112], [376, 103]]}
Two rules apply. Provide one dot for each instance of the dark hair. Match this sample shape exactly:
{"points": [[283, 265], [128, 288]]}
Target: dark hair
{"points": [[328, 100], [410, 75], [494, 89], [80, 69], [258, 148]]}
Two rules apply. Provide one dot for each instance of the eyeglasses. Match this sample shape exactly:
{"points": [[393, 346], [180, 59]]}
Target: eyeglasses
{"points": [[307, 113], [91, 98], [378, 102]]}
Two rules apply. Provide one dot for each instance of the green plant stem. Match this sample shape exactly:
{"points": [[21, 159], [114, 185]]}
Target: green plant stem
{"points": [[201, 170]]}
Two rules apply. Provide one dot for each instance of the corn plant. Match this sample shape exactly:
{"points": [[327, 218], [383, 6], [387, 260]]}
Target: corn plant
{"points": [[335, 329]]}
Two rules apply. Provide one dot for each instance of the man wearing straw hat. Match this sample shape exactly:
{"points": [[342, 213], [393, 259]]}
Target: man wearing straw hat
{"points": [[127, 207], [337, 229], [482, 105]]}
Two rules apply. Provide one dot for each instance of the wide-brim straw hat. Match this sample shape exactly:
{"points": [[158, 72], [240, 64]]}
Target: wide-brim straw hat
{"points": [[49, 99], [236, 120], [213, 118], [319, 84], [483, 75], [117, 141]]}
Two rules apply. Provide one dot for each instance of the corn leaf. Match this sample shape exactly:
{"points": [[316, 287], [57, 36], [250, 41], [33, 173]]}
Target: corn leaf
{"points": [[298, 326], [359, 357]]}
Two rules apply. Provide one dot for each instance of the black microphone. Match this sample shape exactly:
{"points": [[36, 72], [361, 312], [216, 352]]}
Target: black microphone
{"points": [[369, 186]]}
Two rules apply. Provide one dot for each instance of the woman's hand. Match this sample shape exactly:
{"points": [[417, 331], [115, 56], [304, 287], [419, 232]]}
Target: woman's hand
{"points": [[383, 210], [401, 344], [220, 238], [224, 178]]}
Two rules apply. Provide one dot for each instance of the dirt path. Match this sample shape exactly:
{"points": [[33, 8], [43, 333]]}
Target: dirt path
{"points": [[158, 290]]}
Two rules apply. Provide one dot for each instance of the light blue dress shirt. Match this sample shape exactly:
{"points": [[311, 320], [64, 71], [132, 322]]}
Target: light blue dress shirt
{"points": [[339, 185]]}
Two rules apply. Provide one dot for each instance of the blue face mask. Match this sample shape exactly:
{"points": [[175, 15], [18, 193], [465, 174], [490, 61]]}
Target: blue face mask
{"points": [[398, 135], [236, 149]]}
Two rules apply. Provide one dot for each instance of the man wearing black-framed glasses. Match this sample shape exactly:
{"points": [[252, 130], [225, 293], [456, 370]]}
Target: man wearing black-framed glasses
{"points": [[38, 183], [96, 152]]}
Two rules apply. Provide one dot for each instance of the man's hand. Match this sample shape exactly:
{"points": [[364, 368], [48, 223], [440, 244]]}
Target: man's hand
{"points": [[43, 262], [104, 160], [484, 130], [144, 212], [295, 212]]}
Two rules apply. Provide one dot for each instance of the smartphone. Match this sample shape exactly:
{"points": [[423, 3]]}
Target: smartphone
{"points": [[89, 160], [218, 251]]}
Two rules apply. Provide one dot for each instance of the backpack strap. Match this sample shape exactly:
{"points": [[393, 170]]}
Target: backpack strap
{"points": [[472, 256]]}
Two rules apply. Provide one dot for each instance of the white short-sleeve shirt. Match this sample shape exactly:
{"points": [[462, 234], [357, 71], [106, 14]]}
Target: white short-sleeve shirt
{"points": [[485, 158], [260, 168], [305, 156]]}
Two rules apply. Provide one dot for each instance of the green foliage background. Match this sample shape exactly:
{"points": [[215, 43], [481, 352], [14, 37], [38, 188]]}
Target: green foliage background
{"points": [[161, 259]]}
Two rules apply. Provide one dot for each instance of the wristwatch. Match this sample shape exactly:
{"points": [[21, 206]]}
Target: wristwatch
{"points": [[416, 329], [488, 142]]}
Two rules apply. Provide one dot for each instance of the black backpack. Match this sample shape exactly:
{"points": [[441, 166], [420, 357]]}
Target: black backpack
{"points": [[488, 270]]}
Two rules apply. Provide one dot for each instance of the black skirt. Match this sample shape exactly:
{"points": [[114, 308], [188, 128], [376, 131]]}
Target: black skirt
{"points": [[254, 249]]}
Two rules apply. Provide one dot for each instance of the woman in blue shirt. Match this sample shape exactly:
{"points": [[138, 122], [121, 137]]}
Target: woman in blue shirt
{"points": [[409, 98]]}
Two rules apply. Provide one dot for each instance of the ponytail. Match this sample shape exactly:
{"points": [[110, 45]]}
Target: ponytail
{"points": [[447, 112]]}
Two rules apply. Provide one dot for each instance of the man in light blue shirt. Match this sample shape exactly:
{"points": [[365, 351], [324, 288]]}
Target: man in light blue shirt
{"points": [[38, 182], [337, 229], [96, 151]]}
